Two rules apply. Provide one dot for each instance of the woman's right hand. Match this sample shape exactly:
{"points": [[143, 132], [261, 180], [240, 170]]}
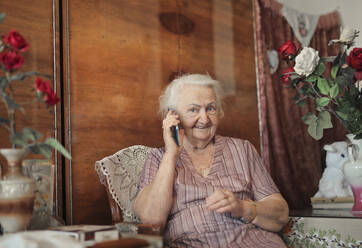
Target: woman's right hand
{"points": [[171, 119]]}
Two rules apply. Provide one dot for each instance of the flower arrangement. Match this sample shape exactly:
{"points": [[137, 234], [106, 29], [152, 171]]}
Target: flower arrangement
{"points": [[12, 45], [334, 84]]}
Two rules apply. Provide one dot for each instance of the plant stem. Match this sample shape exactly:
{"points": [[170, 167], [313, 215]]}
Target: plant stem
{"points": [[4, 125], [11, 113], [29, 102]]}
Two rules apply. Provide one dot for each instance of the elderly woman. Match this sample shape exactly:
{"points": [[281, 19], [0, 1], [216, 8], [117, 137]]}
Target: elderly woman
{"points": [[211, 191]]}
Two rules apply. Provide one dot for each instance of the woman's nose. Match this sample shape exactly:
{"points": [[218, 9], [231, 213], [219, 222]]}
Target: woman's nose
{"points": [[204, 118]]}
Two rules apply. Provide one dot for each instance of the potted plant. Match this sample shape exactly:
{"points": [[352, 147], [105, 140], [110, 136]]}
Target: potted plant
{"points": [[334, 92], [17, 196]]}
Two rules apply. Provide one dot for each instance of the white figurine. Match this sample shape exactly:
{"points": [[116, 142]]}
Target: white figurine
{"points": [[333, 183]]}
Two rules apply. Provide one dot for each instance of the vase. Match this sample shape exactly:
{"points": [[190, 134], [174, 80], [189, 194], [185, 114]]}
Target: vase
{"points": [[16, 192], [353, 172]]}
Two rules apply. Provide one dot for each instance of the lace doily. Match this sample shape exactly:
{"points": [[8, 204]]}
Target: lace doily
{"points": [[122, 172]]}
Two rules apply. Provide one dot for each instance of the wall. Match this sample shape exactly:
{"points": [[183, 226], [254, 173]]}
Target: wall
{"points": [[350, 11]]}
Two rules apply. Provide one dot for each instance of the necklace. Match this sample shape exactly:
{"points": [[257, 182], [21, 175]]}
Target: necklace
{"points": [[204, 171]]}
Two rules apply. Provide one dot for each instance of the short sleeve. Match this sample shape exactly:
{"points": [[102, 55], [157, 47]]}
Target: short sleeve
{"points": [[261, 182], [150, 167]]}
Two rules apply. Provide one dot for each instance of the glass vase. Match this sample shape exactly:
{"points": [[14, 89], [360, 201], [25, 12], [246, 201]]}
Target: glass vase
{"points": [[353, 173], [16, 192]]}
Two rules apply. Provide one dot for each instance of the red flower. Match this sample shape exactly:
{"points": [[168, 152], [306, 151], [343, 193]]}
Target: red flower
{"points": [[286, 75], [16, 41], [354, 58], [44, 87], [287, 50], [11, 60], [358, 75], [51, 98]]}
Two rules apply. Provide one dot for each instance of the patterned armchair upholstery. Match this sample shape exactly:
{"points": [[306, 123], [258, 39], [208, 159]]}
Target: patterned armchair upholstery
{"points": [[120, 173]]}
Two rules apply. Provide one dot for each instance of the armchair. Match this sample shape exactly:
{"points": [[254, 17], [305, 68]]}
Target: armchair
{"points": [[119, 173]]}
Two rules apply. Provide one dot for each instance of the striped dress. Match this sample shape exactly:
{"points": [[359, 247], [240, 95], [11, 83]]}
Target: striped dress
{"points": [[237, 167]]}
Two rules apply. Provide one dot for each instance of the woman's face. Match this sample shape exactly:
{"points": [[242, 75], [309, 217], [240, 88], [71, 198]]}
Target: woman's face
{"points": [[196, 106]]}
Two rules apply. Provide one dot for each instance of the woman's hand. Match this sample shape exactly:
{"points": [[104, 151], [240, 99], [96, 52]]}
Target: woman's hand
{"points": [[171, 119], [223, 201]]}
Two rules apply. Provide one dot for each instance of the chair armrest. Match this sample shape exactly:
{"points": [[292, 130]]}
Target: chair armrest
{"points": [[115, 210]]}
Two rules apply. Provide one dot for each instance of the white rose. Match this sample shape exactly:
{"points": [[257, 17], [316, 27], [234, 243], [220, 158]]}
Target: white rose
{"points": [[306, 61], [348, 35]]}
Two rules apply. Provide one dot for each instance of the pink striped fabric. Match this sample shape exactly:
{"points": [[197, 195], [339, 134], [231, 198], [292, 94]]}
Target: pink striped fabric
{"points": [[237, 167]]}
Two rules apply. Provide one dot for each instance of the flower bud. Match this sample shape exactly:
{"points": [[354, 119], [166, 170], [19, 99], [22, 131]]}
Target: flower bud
{"points": [[348, 35]]}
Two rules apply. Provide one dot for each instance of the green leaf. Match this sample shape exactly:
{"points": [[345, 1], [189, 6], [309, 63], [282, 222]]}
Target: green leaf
{"points": [[41, 148], [324, 120], [32, 134], [309, 118], [18, 139], [334, 71], [317, 124], [330, 82], [342, 81], [294, 76], [2, 17], [315, 131], [56, 145], [322, 102], [323, 86], [333, 92], [320, 69], [342, 115], [312, 78]]}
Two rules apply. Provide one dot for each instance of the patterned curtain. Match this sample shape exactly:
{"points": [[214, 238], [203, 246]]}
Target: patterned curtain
{"points": [[295, 159]]}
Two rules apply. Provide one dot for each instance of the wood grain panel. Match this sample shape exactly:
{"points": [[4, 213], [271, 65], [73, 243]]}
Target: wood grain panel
{"points": [[35, 23], [121, 58]]}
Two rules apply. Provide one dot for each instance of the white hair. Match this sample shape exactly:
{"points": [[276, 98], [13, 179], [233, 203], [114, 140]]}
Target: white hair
{"points": [[168, 98]]}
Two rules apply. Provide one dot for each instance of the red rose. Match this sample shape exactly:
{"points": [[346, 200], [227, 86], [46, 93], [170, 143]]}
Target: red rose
{"points": [[42, 86], [358, 75], [354, 58], [11, 60], [16, 41], [51, 98], [286, 75], [287, 50]]}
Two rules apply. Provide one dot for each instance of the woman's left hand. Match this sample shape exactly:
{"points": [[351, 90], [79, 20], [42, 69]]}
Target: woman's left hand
{"points": [[223, 201]]}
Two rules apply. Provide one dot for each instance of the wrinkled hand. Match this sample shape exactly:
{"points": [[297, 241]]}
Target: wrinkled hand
{"points": [[171, 119], [223, 201]]}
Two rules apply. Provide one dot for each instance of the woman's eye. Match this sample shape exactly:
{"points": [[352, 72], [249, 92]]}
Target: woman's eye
{"points": [[193, 110], [211, 109]]}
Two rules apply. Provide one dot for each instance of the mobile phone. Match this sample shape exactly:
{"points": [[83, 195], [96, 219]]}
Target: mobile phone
{"points": [[175, 133]]}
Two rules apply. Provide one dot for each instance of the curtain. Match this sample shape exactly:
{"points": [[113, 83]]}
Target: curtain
{"points": [[295, 160]]}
